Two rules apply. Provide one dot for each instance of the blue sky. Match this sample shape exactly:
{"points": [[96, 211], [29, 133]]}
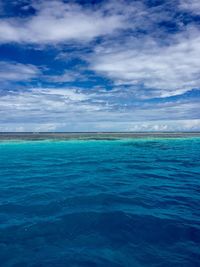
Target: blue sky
{"points": [[99, 65]]}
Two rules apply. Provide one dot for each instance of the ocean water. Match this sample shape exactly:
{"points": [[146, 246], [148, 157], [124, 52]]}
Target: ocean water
{"points": [[133, 202]]}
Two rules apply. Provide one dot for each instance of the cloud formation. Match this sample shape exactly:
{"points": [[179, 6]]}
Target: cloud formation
{"points": [[190, 6], [77, 110], [13, 71], [168, 70], [103, 65], [56, 22]]}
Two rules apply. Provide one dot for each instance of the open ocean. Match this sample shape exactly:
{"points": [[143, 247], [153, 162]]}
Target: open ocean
{"points": [[123, 203]]}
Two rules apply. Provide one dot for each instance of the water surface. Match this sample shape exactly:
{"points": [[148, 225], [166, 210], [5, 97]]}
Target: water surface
{"points": [[130, 202]]}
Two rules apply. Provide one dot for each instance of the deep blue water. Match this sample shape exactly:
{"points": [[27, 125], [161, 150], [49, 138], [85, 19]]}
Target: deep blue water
{"points": [[100, 203]]}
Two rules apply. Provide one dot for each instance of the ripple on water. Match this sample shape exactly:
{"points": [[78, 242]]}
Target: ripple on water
{"points": [[100, 203]]}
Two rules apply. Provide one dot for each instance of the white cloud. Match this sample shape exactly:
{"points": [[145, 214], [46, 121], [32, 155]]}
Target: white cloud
{"points": [[159, 69], [143, 61], [66, 94], [56, 22], [87, 126], [30, 127], [169, 70], [166, 126], [67, 76], [63, 109], [192, 6], [44, 104], [17, 71]]}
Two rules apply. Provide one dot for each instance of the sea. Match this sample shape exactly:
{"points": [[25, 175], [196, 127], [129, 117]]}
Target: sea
{"points": [[116, 201]]}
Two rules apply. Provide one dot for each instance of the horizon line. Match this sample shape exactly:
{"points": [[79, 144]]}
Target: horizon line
{"points": [[97, 132]]}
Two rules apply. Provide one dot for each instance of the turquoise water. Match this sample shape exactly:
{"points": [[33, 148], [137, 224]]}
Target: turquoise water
{"points": [[100, 203]]}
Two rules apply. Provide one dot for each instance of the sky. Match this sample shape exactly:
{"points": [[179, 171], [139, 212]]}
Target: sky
{"points": [[89, 65]]}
